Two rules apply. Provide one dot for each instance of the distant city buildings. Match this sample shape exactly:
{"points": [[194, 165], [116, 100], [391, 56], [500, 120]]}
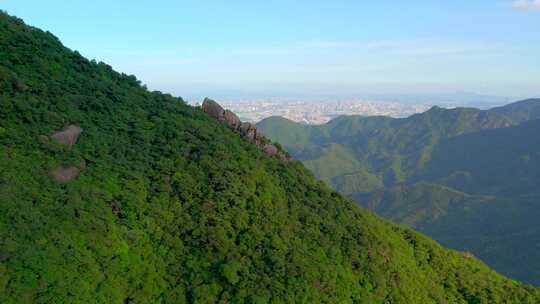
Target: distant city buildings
{"points": [[319, 112]]}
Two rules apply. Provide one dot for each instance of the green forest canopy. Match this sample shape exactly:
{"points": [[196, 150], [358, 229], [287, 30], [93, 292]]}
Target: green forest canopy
{"points": [[173, 207]]}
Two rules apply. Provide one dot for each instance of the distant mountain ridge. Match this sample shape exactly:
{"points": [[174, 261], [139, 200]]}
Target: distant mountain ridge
{"points": [[465, 155], [520, 111], [397, 147]]}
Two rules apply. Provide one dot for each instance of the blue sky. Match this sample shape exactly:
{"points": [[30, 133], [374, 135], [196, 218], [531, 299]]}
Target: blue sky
{"points": [[490, 47]]}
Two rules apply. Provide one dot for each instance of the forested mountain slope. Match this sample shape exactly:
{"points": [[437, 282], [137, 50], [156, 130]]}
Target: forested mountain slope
{"points": [[503, 162], [503, 232], [170, 206], [430, 169], [520, 111]]}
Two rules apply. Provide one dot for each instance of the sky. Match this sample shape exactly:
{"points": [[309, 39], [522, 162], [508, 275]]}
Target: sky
{"points": [[395, 47]]}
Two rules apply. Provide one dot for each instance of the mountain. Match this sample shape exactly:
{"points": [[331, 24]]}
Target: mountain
{"points": [[520, 111], [110, 193], [413, 170], [392, 149], [501, 162], [500, 231]]}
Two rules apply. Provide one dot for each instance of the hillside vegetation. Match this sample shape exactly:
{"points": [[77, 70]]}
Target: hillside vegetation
{"points": [[466, 177], [171, 206]]}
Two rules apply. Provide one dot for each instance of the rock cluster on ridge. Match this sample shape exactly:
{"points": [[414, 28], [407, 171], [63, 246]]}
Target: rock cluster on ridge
{"points": [[248, 130]]}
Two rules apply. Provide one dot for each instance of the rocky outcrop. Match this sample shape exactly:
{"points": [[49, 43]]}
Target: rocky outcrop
{"points": [[68, 136], [246, 129], [213, 109], [231, 119], [249, 131], [270, 149], [66, 174]]}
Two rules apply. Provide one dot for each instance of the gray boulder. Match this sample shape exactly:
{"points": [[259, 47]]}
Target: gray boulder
{"points": [[213, 109], [249, 131], [68, 136], [283, 157], [270, 149], [231, 119]]}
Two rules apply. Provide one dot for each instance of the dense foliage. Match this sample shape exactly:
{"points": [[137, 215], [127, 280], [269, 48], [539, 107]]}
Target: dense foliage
{"points": [[431, 170], [173, 207], [500, 231]]}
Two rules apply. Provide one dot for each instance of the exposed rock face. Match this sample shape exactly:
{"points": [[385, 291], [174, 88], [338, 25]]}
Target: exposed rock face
{"points": [[68, 136], [65, 174], [213, 109], [270, 149], [231, 119], [248, 130]]}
